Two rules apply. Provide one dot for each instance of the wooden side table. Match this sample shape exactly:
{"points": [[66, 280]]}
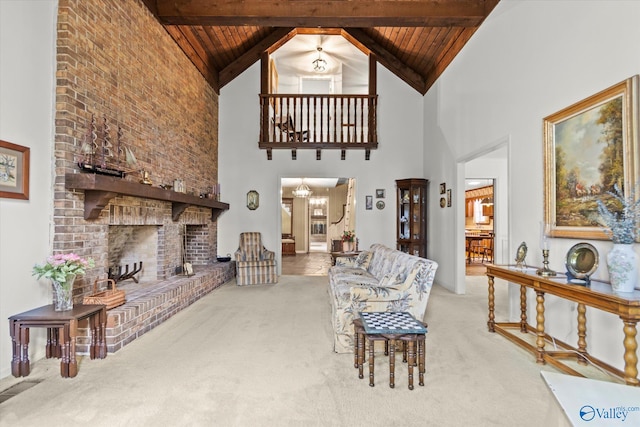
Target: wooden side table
{"points": [[62, 329], [338, 254]]}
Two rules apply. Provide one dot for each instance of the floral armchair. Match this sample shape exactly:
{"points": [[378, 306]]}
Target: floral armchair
{"points": [[254, 263]]}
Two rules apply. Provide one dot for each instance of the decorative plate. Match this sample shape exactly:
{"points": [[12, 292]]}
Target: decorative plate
{"points": [[380, 204], [582, 260]]}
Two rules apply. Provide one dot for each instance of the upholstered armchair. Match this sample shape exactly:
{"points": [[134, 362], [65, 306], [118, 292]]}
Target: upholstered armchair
{"points": [[254, 263]]}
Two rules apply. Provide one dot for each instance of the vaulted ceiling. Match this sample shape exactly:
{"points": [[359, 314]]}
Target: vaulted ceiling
{"points": [[414, 39]]}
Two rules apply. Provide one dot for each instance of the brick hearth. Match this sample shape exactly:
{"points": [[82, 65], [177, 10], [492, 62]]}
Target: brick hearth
{"points": [[149, 306]]}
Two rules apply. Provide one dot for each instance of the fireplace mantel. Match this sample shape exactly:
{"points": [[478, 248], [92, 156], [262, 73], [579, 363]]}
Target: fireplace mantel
{"points": [[100, 189]]}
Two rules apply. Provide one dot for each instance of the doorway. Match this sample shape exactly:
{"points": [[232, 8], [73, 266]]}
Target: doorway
{"points": [[318, 216], [479, 224], [491, 163], [318, 227]]}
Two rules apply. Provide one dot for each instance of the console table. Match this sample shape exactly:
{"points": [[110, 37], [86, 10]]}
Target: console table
{"points": [[62, 329], [598, 295]]}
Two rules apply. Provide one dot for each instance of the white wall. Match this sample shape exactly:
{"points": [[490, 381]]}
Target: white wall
{"points": [[27, 78], [243, 167], [528, 60]]}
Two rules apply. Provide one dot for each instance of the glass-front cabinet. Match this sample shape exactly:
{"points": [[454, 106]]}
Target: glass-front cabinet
{"points": [[412, 216]]}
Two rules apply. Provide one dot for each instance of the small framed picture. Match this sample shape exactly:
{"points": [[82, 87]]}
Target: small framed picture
{"points": [[253, 200], [380, 193], [368, 204], [443, 188], [449, 198], [14, 171]]}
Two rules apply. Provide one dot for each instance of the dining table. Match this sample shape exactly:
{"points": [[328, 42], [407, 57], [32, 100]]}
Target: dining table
{"points": [[474, 241]]}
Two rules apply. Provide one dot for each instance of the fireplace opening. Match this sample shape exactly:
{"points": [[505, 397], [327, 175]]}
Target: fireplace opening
{"points": [[195, 244], [131, 248]]}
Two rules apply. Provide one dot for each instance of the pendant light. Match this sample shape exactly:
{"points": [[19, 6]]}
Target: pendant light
{"points": [[302, 191], [319, 65]]}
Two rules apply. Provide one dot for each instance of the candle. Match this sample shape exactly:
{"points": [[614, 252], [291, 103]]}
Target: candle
{"points": [[544, 243]]}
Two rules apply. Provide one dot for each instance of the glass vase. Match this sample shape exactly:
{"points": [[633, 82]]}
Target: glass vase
{"points": [[622, 262], [63, 293]]}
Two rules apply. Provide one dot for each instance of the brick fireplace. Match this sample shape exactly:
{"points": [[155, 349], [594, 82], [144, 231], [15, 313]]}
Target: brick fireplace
{"points": [[146, 95], [168, 118]]}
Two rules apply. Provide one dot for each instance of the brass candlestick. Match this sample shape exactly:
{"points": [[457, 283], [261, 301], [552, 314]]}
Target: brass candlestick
{"points": [[545, 271]]}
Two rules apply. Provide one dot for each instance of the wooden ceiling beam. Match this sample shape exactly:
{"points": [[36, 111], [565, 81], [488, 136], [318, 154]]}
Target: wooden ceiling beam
{"points": [[387, 59], [277, 38], [323, 13]]}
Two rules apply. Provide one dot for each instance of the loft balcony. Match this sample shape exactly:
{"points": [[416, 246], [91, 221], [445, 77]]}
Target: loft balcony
{"points": [[317, 122]]}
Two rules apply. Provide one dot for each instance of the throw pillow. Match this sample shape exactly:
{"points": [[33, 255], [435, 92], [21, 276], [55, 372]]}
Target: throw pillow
{"points": [[363, 260]]}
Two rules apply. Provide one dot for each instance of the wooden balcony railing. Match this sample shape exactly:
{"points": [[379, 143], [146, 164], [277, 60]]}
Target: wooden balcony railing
{"points": [[318, 122]]}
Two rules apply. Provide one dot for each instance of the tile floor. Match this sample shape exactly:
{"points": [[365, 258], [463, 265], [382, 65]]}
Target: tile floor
{"points": [[311, 264]]}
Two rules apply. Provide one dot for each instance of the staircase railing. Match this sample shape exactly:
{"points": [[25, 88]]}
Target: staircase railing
{"points": [[292, 121]]}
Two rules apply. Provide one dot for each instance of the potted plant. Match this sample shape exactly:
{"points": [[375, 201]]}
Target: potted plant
{"points": [[62, 270], [348, 237], [621, 221]]}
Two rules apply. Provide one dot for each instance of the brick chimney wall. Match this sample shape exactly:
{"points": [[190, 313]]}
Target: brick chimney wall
{"points": [[117, 63]]}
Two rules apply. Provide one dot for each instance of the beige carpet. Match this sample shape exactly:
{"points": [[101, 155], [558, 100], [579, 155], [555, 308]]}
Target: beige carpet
{"points": [[261, 356]]}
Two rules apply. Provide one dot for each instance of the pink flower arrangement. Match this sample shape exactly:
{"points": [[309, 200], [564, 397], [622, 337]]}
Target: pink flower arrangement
{"points": [[58, 267]]}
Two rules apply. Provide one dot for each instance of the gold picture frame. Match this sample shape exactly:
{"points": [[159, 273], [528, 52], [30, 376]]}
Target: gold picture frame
{"points": [[588, 147], [14, 171]]}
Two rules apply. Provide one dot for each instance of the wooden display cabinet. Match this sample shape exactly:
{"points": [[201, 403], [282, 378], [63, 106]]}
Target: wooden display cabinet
{"points": [[412, 216]]}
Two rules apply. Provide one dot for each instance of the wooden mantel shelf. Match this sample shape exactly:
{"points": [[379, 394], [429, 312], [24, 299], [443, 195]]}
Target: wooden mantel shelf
{"points": [[100, 189]]}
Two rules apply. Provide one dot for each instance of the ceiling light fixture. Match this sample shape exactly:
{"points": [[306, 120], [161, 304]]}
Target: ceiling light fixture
{"points": [[302, 191], [319, 65], [487, 201]]}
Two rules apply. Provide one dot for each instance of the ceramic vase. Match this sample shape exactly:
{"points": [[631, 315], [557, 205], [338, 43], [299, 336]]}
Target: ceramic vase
{"points": [[622, 262], [63, 293]]}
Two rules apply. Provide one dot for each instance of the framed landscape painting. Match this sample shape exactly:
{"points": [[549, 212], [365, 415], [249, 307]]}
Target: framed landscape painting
{"points": [[589, 147], [14, 171]]}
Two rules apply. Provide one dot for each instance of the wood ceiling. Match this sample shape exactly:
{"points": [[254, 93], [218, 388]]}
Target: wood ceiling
{"points": [[414, 39]]}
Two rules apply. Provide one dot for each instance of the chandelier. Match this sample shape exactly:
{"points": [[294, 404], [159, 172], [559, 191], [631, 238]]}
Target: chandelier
{"points": [[303, 191], [319, 65]]}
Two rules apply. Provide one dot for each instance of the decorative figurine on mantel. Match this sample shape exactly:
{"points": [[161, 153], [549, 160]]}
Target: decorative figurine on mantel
{"points": [[145, 177], [98, 156]]}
